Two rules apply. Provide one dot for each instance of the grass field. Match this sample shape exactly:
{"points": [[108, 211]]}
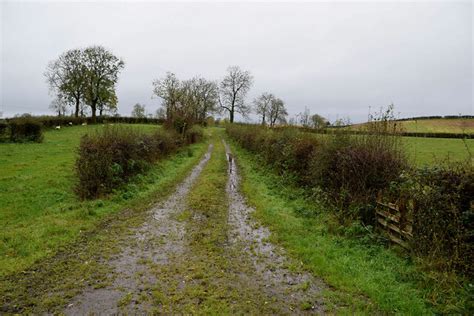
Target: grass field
{"points": [[424, 151], [39, 211]]}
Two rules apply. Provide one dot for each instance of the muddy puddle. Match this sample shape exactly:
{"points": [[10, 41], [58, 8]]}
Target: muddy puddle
{"points": [[300, 291], [158, 239]]}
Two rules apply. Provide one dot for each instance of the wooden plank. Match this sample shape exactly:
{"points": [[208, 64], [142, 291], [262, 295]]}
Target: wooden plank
{"points": [[392, 217], [391, 206], [398, 241], [395, 228]]}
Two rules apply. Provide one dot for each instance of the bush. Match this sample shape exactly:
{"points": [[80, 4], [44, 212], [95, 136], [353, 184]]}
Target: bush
{"points": [[3, 131], [52, 121], [110, 158], [443, 215], [351, 169], [194, 134], [25, 130]]}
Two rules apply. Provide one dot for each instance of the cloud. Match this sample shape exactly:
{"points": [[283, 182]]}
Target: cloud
{"points": [[335, 58]]}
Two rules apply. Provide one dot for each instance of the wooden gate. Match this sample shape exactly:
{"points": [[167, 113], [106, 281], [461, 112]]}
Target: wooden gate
{"points": [[396, 220]]}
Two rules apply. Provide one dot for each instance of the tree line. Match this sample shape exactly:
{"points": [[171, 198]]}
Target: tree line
{"points": [[85, 79]]}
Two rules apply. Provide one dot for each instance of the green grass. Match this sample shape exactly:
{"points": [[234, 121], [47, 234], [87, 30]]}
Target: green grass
{"points": [[431, 151], [39, 211], [369, 277]]}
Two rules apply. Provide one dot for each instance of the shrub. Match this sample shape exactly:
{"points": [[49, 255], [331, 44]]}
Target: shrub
{"points": [[26, 129], [351, 169], [3, 131], [108, 159], [194, 134], [443, 216]]}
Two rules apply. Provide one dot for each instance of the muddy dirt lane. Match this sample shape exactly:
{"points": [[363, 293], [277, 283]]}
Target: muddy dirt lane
{"points": [[159, 238], [300, 290]]}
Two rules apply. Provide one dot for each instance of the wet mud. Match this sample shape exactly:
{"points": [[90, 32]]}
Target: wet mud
{"points": [[299, 289], [158, 239]]}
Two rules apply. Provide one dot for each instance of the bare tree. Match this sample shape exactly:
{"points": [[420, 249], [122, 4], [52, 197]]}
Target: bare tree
{"points": [[262, 105], [102, 69], [305, 118], [277, 112], [232, 92], [66, 78], [59, 106]]}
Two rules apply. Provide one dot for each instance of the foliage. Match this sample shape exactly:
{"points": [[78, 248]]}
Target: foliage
{"points": [[443, 214], [185, 102], [138, 111], [3, 131], [85, 76], [53, 121], [25, 129], [374, 279], [194, 134], [318, 121], [110, 158], [350, 169]]}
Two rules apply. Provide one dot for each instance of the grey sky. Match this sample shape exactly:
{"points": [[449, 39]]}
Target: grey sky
{"points": [[336, 58]]}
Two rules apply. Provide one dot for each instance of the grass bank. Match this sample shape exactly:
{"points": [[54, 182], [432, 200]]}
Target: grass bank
{"points": [[39, 211], [367, 276]]}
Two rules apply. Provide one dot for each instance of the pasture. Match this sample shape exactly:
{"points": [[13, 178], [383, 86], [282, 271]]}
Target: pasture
{"points": [[424, 151], [39, 211]]}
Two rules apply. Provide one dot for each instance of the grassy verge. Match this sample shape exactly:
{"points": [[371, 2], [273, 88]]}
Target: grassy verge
{"points": [[348, 259], [78, 260], [39, 211]]}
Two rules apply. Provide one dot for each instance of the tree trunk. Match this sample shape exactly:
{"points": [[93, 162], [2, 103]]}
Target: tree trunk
{"points": [[94, 109], [78, 102], [231, 112]]}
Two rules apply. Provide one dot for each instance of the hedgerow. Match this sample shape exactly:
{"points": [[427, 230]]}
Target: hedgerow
{"points": [[25, 129], [353, 170], [108, 159]]}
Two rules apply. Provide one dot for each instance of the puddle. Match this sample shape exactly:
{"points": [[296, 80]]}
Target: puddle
{"points": [[158, 239], [299, 289]]}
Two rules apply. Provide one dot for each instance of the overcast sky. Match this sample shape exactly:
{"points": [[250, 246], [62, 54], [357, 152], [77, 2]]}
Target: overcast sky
{"points": [[336, 58]]}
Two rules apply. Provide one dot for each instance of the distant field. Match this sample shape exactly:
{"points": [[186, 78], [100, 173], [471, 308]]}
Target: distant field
{"points": [[439, 126], [38, 208], [435, 126], [430, 151]]}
